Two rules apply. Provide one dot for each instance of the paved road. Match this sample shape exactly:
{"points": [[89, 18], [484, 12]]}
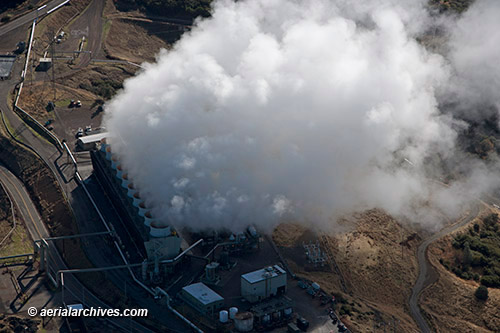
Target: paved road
{"points": [[427, 272], [29, 17], [37, 230]]}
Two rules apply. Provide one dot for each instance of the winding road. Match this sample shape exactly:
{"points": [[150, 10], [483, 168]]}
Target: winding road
{"points": [[427, 272]]}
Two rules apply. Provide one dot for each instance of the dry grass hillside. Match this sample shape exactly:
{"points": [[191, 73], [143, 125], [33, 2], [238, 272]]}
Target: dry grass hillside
{"points": [[377, 261], [450, 303]]}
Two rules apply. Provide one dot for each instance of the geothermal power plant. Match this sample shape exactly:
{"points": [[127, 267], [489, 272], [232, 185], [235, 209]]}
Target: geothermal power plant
{"points": [[230, 280]]}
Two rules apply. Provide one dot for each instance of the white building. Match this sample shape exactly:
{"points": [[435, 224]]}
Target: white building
{"points": [[202, 298], [264, 283]]}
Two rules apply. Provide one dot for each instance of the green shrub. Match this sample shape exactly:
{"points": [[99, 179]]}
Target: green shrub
{"points": [[481, 293]]}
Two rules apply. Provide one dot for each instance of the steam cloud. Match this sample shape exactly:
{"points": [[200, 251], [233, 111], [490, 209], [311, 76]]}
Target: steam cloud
{"points": [[274, 110]]}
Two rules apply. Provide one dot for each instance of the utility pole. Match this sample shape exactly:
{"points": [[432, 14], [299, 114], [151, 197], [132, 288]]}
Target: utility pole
{"points": [[53, 65]]}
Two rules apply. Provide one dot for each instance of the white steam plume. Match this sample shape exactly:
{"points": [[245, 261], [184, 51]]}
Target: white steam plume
{"points": [[281, 109]]}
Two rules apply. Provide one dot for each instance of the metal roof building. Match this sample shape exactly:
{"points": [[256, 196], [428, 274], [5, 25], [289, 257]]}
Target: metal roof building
{"points": [[89, 141], [263, 283], [202, 298]]}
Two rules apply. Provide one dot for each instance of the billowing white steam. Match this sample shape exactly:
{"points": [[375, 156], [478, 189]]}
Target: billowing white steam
{"points": [[282, 109]]}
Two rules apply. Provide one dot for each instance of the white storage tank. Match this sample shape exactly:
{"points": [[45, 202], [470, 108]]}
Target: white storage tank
{"points": [[223, 316], [232, 312], [243, 321]]}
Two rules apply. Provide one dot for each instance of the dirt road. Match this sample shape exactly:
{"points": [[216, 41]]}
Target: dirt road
{"points": [[427, 273]]}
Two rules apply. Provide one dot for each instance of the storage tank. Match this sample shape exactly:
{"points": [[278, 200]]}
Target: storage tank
{"points": [[243, 321], [157, 230], [232, 312], [148, 219], [223, 316], [210, 273]]}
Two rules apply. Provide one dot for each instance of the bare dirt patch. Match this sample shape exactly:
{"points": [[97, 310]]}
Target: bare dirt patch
{"points": [[377, 261]]}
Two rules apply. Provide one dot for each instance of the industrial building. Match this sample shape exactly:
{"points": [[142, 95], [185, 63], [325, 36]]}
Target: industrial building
{"points": [[263, 283], [202, 298], [152, 239]]}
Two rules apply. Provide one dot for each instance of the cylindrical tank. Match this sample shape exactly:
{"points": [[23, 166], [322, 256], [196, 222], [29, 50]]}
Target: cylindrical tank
{"points": [[119, 171], [108, 153], [223, 316], [210, 273], [232, 312], [137, 199], [142, 209], [157, 230], [148, 219], [243, 321], [131, 190]]}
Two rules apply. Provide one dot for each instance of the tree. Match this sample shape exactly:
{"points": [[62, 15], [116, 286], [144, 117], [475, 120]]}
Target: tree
{"points": [[481, 293], [467, 255]]}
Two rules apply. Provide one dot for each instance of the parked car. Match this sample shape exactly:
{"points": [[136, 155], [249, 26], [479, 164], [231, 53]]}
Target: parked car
{"points": [[78, 104], [302, 284], [79, 132], [88, 129], [48, 122]]}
